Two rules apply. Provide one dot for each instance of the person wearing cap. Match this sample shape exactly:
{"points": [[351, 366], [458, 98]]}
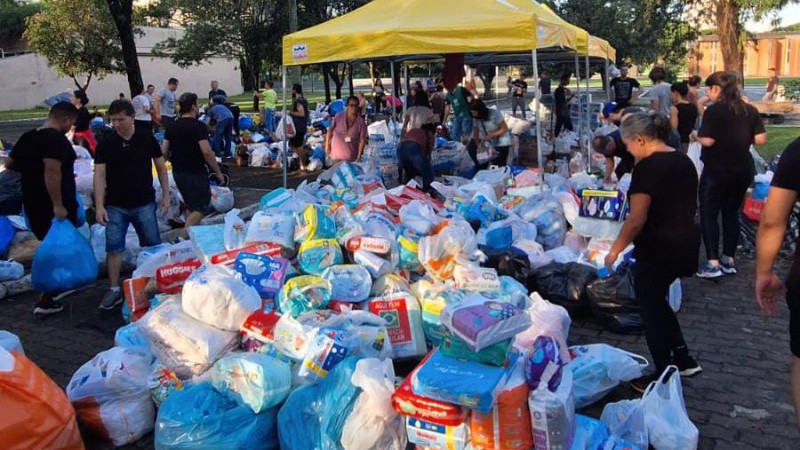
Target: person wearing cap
{"points": [[612, 113], [223, 130]]}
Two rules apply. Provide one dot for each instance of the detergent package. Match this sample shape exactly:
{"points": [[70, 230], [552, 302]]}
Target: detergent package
{"points": [[313, 224], [266, 275], [257, 381], [481, 322], [508, 425], [304, 293], [429, 435], [466, 383], [317, 255], [349, 282], [272, 226], [403, 318]]}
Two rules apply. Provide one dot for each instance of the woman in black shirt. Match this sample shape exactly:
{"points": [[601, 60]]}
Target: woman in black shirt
{"points": [[730, 126], [663, 199], [83, 135], [562, 96], [683, 114]]}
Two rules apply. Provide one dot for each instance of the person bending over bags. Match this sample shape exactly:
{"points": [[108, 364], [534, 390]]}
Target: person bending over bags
{"points": [[663, 196], [489, 131]]}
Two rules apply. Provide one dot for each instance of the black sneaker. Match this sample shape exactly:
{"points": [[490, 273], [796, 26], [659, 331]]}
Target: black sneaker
{"points": [[111, 300], [687, 366], [47, 306], [640, 384]]}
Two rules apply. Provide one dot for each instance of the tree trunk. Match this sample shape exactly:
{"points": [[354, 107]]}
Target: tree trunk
{"points": [[729, 30], [121, 11], [350, 78], [372, 74], [396, 86], [333, 71], [327, 83]]}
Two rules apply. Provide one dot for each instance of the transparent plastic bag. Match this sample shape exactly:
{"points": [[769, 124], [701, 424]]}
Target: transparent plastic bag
{"points": [[255, 380], [668, 423], [373, 423], [234, 230], [418, 217], [221, 199], [304, 293], [11, 270], [349, 282], [546, 319], [439, 253], [599, 368], [63, 261], [314, 256], [215, 297], [626, 420]]}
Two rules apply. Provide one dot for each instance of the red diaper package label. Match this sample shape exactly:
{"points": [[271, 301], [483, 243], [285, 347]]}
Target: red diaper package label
{"points": [[406, 403], [379, 246], [393, 310], [170, 278], [261, 248]]}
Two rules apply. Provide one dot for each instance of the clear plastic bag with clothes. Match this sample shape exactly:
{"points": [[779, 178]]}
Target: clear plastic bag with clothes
{"points": [[314, 415], [373, 423], [668, 424], [255, 380], [440, 252], [418, 217], [626, 420], [599, 368], [199, 417]]}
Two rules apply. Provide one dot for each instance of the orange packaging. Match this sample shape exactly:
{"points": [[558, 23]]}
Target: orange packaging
{"points": [[34, 411], [508, 424], [134, 291]]}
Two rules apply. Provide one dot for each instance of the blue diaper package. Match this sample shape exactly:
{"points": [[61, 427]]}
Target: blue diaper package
{"points": [[349, 282], [263, 273], [317, 255]]}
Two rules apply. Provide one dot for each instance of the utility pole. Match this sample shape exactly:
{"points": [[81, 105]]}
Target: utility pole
{"points": [[293, 74]]}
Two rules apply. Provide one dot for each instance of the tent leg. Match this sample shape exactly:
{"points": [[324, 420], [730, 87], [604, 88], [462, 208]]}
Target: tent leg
{"points": [[408, 89], [580, 100], [534, 60], [285, 141], [497, 86], [607, 86], [394, 91], [588, 118]]}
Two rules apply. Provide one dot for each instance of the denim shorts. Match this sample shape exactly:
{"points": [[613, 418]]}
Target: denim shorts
{"points": [[144, 221]]}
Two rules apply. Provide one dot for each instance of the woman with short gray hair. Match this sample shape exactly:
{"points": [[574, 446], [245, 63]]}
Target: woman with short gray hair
{"points": [[663, 200]]}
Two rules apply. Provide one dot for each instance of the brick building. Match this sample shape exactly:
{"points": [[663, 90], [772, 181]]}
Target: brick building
{"points": [[780, 50]]}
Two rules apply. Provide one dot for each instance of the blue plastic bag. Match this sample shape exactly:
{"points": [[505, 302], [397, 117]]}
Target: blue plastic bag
{"points": [[255, 380], [313, 416], [6, 234], [589, 433], [198, 417], [64, 261]]}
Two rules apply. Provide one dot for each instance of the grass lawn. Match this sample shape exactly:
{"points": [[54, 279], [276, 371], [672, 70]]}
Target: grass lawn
{"points": [[777, 140]]}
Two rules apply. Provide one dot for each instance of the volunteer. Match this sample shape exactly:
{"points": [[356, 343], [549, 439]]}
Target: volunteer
{"points": [[562, 96], [661, 94], [419, 114], [457, 104], [772, 86], [683, 114], [730, 126], [141, 107], [544, 84], [215, 91], [437, 103], [347, 134], [623, 87], [362, 105], [299, 115], [123, 190], [187, 147], [223, 127], [164, 102], [782, 196], [269, 97], [612, 146], [45, 161], [694, 85], [378, 92], [414, 155], [519, 88], [83, 134], [488, 128], [663, 199]]}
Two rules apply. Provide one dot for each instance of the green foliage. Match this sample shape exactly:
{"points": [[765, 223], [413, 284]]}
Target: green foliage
{"points": [[792, 89], [13, 14], [155, 14], [642, 32], [78, 38]]}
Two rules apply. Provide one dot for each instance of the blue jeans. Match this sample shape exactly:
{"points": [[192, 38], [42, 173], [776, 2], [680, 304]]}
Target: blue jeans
{"points": [[223, 132], [461, 128], [269, 119], [413, 163], [144, 221]]}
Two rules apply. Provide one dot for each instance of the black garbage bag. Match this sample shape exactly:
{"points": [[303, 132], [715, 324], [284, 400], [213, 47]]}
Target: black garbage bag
{"points": [[613, 302], [10, 193], [513, 263], [565, 285]]}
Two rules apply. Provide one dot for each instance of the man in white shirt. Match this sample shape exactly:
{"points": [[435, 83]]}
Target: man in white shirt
{"points": [[142, 107]]}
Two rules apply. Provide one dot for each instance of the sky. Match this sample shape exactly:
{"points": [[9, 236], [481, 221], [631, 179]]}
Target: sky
{"points": [[788, 15]]}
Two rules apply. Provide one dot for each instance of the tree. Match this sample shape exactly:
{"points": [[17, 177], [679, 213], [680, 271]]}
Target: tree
{"points": [[246, 30], [77, 37], [121, 11], [13, 15]]}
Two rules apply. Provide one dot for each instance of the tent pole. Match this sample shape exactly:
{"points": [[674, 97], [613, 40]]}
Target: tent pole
{"points": [[408, 89], [534, 60], [497, 86], [285, 129], [608, 85], [394, 91], [588, 118], [580, 101]]}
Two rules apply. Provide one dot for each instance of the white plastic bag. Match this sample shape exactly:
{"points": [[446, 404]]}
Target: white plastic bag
{"points": [[221, 199], [111, 396], [546, 319], [668, 423], [272, 226], [675, 295], [419, 217], [11, 270], [694, 152], [373, 423], [553, 415], [285, 130], [234, 230], [215, 297], [599, 368], [625, 419]]}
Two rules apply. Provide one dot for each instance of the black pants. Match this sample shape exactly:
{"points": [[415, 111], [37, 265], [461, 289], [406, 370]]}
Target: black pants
{"points": [[413, 163], [661, 328], [563, 121], [721, 194], [145, 125]]}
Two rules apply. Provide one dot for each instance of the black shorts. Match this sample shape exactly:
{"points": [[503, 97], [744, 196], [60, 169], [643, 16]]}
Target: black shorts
{"points": [[298, 139], [195, 190], [793, 300]]}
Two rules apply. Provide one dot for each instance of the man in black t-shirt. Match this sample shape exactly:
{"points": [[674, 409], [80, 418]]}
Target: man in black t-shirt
{"points": [[518, 89], [300, 115], [623, 87], [782, 196], [612, 146], [186, 144], [44, 158], [123, 189], [544, 84], [215, 91]]}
